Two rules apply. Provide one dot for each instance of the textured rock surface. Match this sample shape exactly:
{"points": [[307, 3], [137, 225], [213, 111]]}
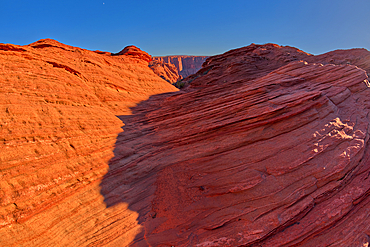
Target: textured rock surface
{"points": [[57, 134], [357, 57], [254, 61], [261, 150], [134, 52], [166, 71], [249, 62], [186, 65], [281, 159]]}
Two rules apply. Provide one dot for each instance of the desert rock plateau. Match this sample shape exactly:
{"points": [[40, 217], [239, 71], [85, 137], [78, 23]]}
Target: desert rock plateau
{"points": [[266, 145]]}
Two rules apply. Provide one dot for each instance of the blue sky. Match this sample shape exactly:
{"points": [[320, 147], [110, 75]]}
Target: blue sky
{"points": [[188, 27]]}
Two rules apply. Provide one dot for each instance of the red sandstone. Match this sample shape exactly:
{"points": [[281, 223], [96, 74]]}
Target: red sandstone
{"points": [[262, 149]]}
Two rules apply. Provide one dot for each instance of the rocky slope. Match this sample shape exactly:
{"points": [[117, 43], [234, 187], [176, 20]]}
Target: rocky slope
{"points": [[270, 157], [254, 61], [262, 149], [357, 57], [58, 127], [186, 65], [166, 71]]}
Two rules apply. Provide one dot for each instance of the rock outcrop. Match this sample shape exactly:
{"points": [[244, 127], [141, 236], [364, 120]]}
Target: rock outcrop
{"points": [[266, 147], [134, 52], [186, 65], [58, 127], [254, 61], [271, 158], [357, 57], [249, 62], [166, 71]]}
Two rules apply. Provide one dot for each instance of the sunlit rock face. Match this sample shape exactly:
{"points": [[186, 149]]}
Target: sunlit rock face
{"points": [[58, 128], [134, 52], [266, 146], [186, 65]]}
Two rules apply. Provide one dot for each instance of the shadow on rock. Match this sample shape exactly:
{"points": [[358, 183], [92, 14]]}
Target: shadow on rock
{"points": [[132, 171]]}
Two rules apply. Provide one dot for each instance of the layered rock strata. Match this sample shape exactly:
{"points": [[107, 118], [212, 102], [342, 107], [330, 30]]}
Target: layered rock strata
{"points": [[262, 149], [254, 61], [58, 127], [278, 160], [186, 65], [166, 71]]}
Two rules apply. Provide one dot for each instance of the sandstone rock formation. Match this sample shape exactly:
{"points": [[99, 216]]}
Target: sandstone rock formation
{"points": [[134, 52], [58, 128], [186, 65], [357, 57], [166, 71], [270, 157], [262, 149], [249, 62], [254, 61]]}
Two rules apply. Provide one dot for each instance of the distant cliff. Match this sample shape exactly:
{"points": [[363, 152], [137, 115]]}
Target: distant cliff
{"points": [[186, 65], [166, 71]]}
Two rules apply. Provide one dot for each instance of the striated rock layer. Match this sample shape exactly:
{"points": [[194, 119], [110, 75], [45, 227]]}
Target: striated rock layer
{"points": [[58, 127], [186, 65], [262, 149], [277, 156], [254, 61]]}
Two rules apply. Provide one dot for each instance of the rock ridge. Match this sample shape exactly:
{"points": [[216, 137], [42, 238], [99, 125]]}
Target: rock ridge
{"points": [[135, 52], [266, 146], [238, 163]]}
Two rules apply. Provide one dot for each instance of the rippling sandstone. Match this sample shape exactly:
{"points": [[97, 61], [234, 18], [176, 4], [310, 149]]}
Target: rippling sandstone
{"points": [[261, 149], [58, 110]]}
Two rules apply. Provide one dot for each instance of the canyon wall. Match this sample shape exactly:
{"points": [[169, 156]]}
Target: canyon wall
{"points": [[186, 65], [164, 70]]}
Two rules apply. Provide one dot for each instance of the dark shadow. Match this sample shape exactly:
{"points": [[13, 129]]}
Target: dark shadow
{"points": [[130, 179]]}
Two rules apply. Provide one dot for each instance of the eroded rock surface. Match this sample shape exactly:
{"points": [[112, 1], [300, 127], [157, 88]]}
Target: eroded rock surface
{"points": [[186, 65], [262, 149], [254, 61], [134, 52], [58, 127], [166, 71], [357, 57], [274, 157], [249, 62]]}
